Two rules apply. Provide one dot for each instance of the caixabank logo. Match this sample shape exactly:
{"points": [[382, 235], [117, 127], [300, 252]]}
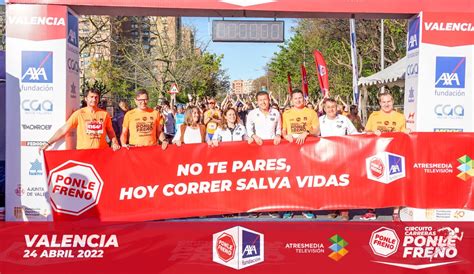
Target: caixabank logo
{"points": [[238, 247], [37, 67], [385, 167], [421, 247]]}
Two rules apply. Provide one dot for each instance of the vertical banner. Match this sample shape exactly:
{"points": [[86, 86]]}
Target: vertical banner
{"points": [[40, 68], [322, 70], [355, 67], [304, 81], [439, 82], [411, 72], [445, 72], [290, 88]]}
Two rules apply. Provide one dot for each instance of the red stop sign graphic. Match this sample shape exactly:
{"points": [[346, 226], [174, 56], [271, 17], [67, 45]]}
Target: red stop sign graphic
{"points": [[225, 247], [376, 167]]}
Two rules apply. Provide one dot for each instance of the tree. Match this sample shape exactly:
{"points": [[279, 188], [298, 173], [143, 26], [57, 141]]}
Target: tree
{"points": [[331, 37]]}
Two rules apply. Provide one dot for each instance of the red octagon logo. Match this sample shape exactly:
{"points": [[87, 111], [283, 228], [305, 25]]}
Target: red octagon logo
{"points": [[225, 247], [376, 167], [384, 242], [74, 187]]}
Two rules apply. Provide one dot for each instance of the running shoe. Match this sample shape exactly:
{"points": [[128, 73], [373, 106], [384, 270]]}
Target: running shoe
{"points": [[369, 216], [308, 214], [287, 215]]}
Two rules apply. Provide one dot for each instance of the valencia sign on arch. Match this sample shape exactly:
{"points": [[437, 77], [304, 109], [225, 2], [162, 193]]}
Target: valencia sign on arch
{"points": [[262, 8]]}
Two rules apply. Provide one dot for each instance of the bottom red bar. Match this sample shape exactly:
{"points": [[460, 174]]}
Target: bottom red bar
{"points": [[228, 246]]}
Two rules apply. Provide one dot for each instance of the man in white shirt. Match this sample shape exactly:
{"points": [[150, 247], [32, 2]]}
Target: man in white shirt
{"points": [[263, 123], [333, 124]]}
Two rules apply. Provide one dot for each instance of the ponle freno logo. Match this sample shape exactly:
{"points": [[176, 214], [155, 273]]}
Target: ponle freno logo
{"points": [[385, 167], [238, 247], [428, 246], [74, 187]]}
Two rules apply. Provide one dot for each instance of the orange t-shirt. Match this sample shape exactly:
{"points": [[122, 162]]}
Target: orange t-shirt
{"points": [[92, 127], [142, 126]]}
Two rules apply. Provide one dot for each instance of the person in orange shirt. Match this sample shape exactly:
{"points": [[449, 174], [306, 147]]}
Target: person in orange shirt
{"points": [[141, 125], [385, 120], [92, 123]]}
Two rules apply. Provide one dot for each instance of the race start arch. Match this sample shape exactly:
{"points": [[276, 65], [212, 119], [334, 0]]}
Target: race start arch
{"points": [[43, 68]]}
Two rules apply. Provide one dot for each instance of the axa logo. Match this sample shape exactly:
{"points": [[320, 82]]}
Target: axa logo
{"points": [[37, 67], [450, 72], [238, 247], [72, 26], [250, 244], [414, 34], [385, 167]]}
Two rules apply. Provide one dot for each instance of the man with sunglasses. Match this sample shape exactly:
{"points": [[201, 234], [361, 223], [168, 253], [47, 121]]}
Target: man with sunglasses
{"points": [[212, 118], [141, 125]]}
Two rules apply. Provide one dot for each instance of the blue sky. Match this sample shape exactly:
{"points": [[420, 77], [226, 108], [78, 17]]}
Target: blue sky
{"points": [[241, 60]]}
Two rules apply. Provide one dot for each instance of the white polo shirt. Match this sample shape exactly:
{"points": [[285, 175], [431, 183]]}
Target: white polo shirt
{"points": [[339, 126], [226, 135], [265, 126]]}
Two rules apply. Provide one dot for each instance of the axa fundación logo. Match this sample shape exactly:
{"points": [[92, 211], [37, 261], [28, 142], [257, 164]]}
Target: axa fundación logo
{"points": [[450, 76], [466, 168], [37, 67], [385, 167], [338, 247], [238, 247]]}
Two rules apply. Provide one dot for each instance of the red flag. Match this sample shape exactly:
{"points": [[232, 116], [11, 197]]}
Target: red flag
{"points": [[304, 81], [322, 72], [290, 89]]}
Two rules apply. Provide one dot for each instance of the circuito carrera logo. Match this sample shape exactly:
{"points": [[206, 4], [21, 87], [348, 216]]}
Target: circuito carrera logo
{"points": [[238, 247], [429, 246]]}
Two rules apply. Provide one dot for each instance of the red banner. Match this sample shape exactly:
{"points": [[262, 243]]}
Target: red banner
{"points": [[223, 247], [322, 70], [304, 81], [290, 88], [423, 170]]}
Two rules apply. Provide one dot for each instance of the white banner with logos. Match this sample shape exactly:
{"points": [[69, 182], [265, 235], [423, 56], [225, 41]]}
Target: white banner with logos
{"points": [[38, 102], [439, 87]]}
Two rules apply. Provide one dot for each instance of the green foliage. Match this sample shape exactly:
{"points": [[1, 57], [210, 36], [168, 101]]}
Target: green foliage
{"points": [[331, 38]]}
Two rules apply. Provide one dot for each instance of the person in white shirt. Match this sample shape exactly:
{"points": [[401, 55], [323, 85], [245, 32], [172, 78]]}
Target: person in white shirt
{"points": [[333, 124], [263, 123], [191, 131], [230, 129]]}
